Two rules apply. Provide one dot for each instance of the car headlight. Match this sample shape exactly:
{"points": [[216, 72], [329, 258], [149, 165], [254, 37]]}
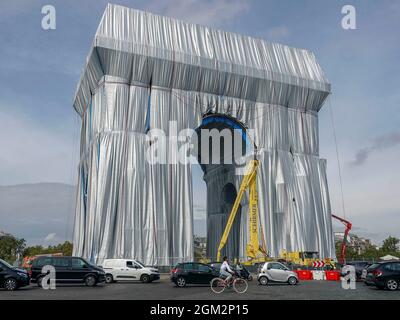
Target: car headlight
{"points": [[22, 274], [154, 270]]}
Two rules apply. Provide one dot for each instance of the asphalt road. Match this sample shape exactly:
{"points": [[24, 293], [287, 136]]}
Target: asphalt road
{"points": [[165, 290]]}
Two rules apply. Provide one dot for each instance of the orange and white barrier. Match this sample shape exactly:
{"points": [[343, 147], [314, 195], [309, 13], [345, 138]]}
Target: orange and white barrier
{"points": [[331, 275], [318, 275]]}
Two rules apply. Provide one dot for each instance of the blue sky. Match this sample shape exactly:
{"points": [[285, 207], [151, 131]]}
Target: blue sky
{"points": [[39, 71]]}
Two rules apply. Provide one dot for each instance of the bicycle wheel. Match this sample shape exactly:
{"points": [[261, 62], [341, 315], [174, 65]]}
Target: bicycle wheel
{"points": [[240, 285], [217, 285]]}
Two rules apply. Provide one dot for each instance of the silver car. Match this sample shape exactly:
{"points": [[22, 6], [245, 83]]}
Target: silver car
{"points": [[276, 272]]}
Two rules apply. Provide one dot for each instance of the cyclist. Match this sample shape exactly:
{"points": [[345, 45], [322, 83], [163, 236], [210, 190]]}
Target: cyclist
{"points": [[226, 271]]}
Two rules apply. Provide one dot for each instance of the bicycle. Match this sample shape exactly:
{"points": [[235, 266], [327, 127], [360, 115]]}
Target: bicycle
{"points": [[218, 285]]}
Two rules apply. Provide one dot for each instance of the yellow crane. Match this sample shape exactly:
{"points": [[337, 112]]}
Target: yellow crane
{"points": [[254, 250]]}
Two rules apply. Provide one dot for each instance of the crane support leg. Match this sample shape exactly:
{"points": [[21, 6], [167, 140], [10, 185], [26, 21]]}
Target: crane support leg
{"points": [[249, 181]]}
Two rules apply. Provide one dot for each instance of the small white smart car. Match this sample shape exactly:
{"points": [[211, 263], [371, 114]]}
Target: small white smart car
{"points": [[276, 272]]}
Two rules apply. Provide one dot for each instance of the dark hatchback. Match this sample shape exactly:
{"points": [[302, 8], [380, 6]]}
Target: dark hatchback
{"points": [[68, 270], [192, 273], [12, 278], [384, 275]]}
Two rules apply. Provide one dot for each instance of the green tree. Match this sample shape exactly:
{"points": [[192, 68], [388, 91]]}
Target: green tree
{"points": [[351, 254], [64, 248], [11, 248], [371, 253], [34, 250], [390, 246]]}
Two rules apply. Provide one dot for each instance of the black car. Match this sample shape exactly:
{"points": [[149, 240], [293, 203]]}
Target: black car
{"points": [[12, 278], [68, 270], [241, 270], [192, 273], [359, 266], [384, 275]]}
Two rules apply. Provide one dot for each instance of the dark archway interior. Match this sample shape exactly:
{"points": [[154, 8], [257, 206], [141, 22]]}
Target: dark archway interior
{"points": [[228, 195], [227, 199], [221, 181]]}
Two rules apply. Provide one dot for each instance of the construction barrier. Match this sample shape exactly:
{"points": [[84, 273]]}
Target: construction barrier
{"points": [[304, 274], [318, 275], [332, 275]]}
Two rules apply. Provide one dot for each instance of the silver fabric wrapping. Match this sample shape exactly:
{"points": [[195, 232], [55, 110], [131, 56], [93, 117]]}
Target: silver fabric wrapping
{"points": [[145, 70]]}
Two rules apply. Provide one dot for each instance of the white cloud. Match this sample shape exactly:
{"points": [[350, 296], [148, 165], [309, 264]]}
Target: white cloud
{"points": [[380, 143], [371, 190], [209, 12], [35, 60], [35, 152], [32, 211], [50, 237]]}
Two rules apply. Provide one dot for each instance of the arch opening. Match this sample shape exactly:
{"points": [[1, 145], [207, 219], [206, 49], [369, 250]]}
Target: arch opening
{"points": [[223, 146]]}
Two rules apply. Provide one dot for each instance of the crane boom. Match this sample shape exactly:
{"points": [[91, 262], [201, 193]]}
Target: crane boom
{"points": [[249, 181], [344, 242]]}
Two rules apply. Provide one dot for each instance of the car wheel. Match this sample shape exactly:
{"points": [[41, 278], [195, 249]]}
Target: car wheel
{"points": [[90, 281], [145, 278], [250, 278], [181, 282], [367, 284], [392, 285], [10, 284], [292, 281], [109, 278], [263, 280]]}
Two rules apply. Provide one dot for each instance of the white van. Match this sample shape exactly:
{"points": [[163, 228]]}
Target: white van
{"points": [[128, 270]]}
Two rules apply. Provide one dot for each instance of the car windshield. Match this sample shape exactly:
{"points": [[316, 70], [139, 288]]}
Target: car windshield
{"points": [[6, 263], [374, 266], [281, 266], [88, 263], [140, 263]]}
